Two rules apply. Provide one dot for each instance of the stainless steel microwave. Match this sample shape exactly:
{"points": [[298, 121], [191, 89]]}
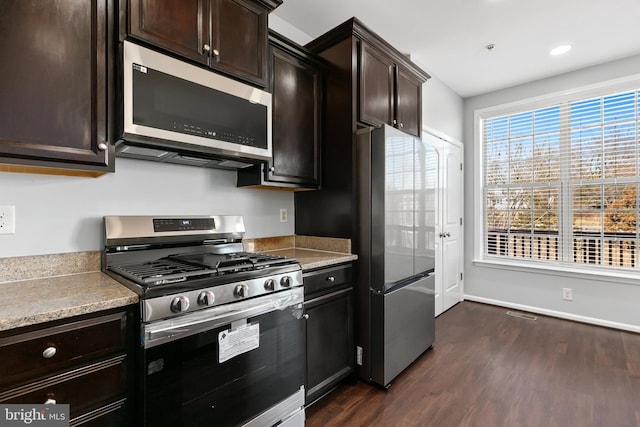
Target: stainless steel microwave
{"points": [[180, 113]]}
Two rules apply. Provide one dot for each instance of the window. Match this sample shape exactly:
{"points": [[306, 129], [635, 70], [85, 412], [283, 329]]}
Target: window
{"points": [[560, 182]]}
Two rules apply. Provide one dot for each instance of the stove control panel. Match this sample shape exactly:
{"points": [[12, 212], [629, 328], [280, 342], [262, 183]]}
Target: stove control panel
{"points": [[183, 224], [167, 306]]}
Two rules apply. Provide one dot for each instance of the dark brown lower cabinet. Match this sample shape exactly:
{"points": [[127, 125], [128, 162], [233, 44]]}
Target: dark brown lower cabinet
{"points": [[84, 362], [329, 317]]}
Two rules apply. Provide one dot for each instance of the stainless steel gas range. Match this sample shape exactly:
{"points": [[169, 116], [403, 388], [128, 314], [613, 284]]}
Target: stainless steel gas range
{"points": [[221, 330]]}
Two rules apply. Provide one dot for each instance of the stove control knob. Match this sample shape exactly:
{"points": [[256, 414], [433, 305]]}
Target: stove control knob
{"points": [[180, 304], [206, 298], [241, 291], [285, 282], [269, 285]]}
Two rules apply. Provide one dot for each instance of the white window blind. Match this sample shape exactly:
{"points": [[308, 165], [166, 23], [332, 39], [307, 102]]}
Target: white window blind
{"points": [[560, 182]]}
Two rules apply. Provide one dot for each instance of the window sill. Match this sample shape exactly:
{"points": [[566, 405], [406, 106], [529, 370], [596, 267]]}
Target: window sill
{"points": [[600, 275]]}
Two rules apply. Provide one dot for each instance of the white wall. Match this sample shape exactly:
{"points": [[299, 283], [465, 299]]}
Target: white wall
{"points": [[613, 303], [57, 214], [442, 109], [283, 27]]}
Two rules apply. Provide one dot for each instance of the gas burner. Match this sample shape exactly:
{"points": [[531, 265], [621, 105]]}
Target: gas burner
{"points": [[161, 272], [233, 262]]}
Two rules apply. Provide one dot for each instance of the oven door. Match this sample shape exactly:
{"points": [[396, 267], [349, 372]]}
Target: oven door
{"points": [[227, 375]]}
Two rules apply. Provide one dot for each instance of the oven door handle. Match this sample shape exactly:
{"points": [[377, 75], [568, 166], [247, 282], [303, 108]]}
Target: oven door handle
{"points": [[163, 331]]}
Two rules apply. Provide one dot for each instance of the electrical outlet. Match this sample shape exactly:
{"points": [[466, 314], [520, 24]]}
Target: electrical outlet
{"points": [[283, 215], [567, 294], [7, 219]]}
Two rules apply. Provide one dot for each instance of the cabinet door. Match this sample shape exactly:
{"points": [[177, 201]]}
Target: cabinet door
{"points": [[239, 39], [330, 353], [181, 26], [296, 87], [409, 102], [54, 80], [375, 103]]}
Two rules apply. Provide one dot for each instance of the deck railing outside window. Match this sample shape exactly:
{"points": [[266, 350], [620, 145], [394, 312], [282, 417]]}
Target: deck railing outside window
{"points": [[619, 250]]}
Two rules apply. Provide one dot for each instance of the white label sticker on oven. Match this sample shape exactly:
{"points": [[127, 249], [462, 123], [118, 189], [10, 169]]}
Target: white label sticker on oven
{"points": [[235, 342]]}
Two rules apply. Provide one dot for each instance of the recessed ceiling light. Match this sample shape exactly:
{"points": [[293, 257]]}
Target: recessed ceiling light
{"points": [[559, 50]]}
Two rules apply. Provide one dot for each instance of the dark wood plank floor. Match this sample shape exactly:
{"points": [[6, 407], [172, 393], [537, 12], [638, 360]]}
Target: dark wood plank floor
{"points": [[490, 369]]}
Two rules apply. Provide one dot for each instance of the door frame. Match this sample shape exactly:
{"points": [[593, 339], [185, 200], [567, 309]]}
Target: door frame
{"points": [[444, 141]]}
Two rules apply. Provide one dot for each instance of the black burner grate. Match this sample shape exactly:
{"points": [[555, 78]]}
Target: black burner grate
{"points": [[162, 271]]}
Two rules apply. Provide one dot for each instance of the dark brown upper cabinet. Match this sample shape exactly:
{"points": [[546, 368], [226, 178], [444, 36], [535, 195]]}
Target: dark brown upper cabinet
{"points": [[296, 85], [367, 82], [227, 35], [377, 79], [56, 104], [408, 101], [388, 92]]}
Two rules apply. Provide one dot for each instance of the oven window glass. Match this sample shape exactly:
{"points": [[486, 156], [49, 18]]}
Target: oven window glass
{"points": [[186, 385]]}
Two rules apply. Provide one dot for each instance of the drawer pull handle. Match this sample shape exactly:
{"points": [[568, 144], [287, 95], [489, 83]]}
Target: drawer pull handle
{"points": [[50, 401], [331, 279], [49, 352]]}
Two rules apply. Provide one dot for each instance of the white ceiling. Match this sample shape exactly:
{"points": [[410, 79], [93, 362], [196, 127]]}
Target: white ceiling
{"points": [[448, 37]]}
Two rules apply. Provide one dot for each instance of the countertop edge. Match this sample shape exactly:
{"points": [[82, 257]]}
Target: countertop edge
{"points": [[35, 301]]}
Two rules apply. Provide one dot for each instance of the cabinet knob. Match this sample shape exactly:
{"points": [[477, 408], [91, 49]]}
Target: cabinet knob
{"points": [[215, 52], [305, 316], [272, 169], [330, 279], [206, 48], [50, 401], [395, 122], [401, 125], [49, 352], [102, 146]]}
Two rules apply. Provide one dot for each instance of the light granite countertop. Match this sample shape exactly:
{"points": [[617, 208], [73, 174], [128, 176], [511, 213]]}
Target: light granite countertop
{"points": [[28, 302], [311, 259], [310, 251]]}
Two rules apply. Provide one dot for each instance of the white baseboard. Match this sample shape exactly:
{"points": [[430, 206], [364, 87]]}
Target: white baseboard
{"points": [[553, 313]]}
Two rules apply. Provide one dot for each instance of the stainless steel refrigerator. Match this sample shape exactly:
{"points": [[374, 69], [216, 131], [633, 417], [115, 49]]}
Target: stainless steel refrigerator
{"points": [[396, 180]]}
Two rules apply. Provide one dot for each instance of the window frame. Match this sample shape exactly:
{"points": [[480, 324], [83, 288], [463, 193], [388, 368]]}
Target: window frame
{"points": [[561, 267]]}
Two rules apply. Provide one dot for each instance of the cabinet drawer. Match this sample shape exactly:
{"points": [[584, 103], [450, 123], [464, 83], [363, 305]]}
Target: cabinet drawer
{"points": [[83, 389], [325, 279], [43, 352]]}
